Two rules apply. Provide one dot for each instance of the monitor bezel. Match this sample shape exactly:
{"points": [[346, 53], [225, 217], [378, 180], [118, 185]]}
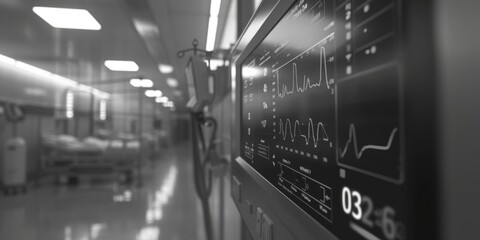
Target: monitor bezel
{"points": [[421, 124]]}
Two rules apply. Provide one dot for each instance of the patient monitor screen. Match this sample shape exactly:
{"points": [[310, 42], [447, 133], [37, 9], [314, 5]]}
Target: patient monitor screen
{"points": [[322, 115]]}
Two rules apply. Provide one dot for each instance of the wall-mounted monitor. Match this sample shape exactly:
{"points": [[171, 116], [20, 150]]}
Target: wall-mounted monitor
{"points": [[327, 143]]}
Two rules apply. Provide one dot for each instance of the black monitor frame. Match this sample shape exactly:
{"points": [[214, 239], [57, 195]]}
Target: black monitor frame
{"points": [[251, 190]]}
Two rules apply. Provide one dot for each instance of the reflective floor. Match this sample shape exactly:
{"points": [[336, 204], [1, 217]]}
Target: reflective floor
{"points": [[165, 207]]}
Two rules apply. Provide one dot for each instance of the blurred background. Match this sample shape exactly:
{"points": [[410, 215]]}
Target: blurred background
{"points": [[92, 102], [96, 123]]}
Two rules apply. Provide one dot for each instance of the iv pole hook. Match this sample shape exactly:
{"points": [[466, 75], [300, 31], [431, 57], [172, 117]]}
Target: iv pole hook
{"points": [[195, 50]]}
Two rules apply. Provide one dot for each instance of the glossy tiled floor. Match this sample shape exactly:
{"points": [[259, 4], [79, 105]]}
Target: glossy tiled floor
{"points": [[164, 208]]}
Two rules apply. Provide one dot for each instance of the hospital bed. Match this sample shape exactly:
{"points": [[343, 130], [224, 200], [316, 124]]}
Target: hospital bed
{"points": [[68, 156]]}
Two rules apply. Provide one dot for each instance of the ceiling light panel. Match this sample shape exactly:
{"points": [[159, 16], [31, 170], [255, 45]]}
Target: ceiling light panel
{"points": [[215, 7], [68, 18], [212, 24], [168, 104], [212, 33], [172, 82], [165, 68], [161, 99], [135, 82], [118, 65], [177, 93], [143, 83], [153, 93], [147, 83]]}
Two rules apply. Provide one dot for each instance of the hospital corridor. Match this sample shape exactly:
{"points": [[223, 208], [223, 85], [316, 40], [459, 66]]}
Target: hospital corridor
{"points": [[239, 119]]}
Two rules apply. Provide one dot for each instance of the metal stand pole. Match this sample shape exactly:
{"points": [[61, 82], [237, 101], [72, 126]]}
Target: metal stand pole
{"points": [[221, 213], [140, 131]]}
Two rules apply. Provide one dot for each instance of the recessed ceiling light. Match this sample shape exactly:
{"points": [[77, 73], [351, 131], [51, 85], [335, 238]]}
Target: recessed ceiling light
{"points": [[212, 33], [153, 93], [135, 82], [168, 104], [117, 65], [215, 7], [68, 18], [177, 93], [147, 83], [172, 82], [161, 99], [165, 68], [143, 83], [212, 24]]}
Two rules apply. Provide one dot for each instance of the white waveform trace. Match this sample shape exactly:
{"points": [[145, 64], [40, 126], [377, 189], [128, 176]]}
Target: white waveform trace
{"points": [[307, 84], [312, 134], [352, 137]]}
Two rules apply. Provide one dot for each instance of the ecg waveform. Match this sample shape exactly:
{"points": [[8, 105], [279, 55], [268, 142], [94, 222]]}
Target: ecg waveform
{"points": [[352, 136], [312, 134], [307, 84]]}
